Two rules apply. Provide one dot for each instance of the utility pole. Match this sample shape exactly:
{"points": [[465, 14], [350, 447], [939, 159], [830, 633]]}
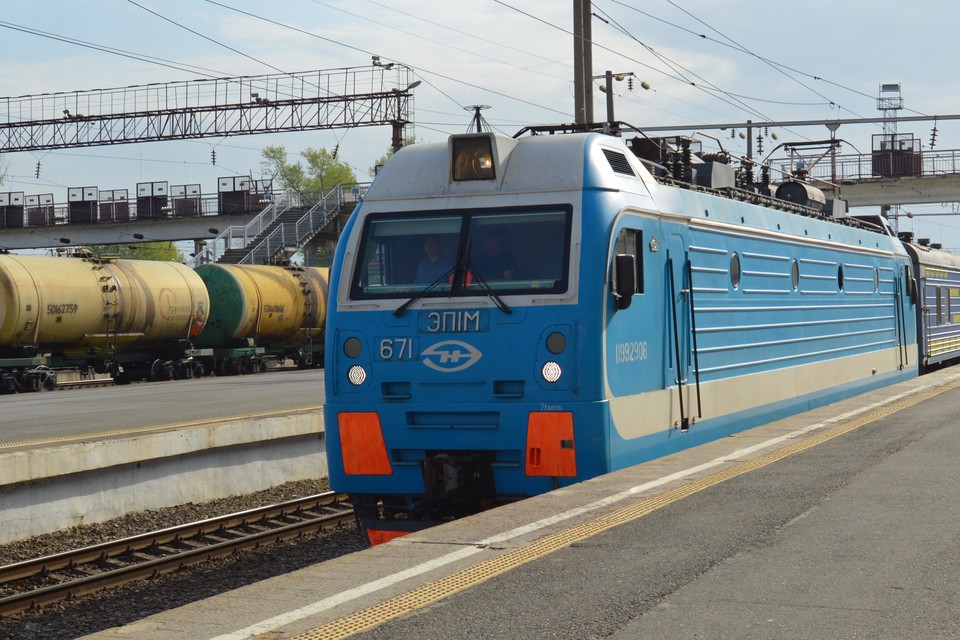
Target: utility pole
{"points": [[582, 62]]}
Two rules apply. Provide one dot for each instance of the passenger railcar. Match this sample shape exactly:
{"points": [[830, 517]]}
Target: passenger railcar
{"points": [[634, 308], [938, 311]]}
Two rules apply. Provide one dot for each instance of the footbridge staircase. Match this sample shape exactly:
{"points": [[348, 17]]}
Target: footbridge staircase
{"points": [[284, 227]]}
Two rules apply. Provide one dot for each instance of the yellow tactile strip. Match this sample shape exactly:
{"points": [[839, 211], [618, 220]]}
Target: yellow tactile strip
{"points": [[186, 424], [422, 596]]}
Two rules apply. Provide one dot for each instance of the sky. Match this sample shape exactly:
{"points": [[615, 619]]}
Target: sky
{"points": [[705, 62]]}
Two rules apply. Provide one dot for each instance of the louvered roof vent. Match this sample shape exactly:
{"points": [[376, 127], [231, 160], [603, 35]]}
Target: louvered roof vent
{"points": [[618, 162]]}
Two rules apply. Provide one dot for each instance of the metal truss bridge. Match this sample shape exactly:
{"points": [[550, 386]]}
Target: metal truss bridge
{"points": [[349, 97]]}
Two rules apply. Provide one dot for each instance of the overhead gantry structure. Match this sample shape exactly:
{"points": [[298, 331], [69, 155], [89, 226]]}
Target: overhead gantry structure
{"points": [[351, 97]]}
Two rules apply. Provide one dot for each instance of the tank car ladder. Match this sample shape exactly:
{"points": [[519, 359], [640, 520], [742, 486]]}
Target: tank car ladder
{"points": [[108, 285], [310, 309]]}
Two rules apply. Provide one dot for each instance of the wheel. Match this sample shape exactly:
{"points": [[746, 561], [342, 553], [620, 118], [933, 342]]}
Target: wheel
{"points": [[161, 370], [8, 383], [49, 381]]}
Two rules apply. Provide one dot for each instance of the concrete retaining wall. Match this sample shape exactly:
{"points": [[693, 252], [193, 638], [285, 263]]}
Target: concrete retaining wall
{"points": [[62, 483]]}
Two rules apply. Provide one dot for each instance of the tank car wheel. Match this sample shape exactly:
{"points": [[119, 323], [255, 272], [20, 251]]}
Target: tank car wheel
{"points": [[160, 370], [305, 360], [8, 383], [198, 370], [231, 367], [49, 382]]}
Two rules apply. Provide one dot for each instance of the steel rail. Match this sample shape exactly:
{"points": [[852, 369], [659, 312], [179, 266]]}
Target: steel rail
{"points": [[167, 550]]}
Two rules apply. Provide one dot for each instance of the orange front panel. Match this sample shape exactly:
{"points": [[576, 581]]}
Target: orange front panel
{"points": [[362, 445], [550, 447], [380, 537]]}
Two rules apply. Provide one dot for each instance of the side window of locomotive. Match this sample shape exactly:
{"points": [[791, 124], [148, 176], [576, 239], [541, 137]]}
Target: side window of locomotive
{"points": [[630, 242], [373, 266]]}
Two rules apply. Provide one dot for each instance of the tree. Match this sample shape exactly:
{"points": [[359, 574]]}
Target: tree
{"points": [[142, 251], [323, 170]]}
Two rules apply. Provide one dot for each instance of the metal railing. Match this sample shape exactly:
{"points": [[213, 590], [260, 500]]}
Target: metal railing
{"points": [[267, 248], [237, 237], [867, 166], [327, 206]]}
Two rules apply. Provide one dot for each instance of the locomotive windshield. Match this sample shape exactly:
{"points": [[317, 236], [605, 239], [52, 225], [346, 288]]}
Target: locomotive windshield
{"points": [[464, 253]]}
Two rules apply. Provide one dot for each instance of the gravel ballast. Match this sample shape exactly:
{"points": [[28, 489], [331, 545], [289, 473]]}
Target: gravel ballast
{"points": [[137, 600]]}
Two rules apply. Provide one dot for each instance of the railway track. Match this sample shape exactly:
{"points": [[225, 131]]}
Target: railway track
{"points": [[42, 581]]}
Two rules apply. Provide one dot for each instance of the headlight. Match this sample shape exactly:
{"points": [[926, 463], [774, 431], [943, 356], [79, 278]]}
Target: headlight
{"points": [[551, 372], [556, 342], [352, 347], [356, 375]]}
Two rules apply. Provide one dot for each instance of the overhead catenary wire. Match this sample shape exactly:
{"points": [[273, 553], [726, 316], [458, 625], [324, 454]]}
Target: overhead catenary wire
{"points": [[420, 70]]}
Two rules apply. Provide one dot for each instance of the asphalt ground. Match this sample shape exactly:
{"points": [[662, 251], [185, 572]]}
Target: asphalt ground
{"points": [[71, 412]]}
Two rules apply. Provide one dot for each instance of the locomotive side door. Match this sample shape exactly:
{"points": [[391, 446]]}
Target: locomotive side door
{"points": [[678, 332]]}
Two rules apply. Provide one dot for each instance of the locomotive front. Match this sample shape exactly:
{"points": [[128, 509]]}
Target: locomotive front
{"points": [[454, 334]]}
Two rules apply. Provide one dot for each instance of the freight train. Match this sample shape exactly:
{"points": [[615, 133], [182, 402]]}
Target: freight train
{"points": [[140, 319], [595, 303]]}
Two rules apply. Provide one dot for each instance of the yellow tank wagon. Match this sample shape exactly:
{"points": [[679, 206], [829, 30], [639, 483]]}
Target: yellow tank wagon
{"points": [[264, 311], [133, 318]]}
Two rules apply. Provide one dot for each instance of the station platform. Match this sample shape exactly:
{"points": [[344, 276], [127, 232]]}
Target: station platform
{"points": [[840, 522], [76, 457]]}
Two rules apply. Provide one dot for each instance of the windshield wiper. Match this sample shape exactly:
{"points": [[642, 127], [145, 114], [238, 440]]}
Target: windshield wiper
{"points": [[497, 300], [462, 267], [427, 289]]}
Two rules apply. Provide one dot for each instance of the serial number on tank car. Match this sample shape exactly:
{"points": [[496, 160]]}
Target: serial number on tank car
{"points": [[60, 309]]}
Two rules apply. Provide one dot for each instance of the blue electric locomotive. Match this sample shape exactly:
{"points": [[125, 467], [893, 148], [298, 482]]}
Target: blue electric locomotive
{"points": [[513, 315]]}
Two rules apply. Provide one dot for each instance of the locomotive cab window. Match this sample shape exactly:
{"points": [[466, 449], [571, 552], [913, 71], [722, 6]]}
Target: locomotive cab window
{"points": [[468, 253]]}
